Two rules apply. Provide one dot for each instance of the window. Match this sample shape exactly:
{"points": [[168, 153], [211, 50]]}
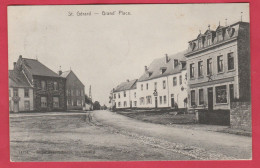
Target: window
{"points": [[192, 97], [142, 86], [55, 85], [200, 43], [125, 103], [72, 92], [160, 99], [119, 95], [9, 93], [230, 61], [164, 84], [141, 101], [147, 86], [220, 63], [191, 70], [221, 94], [219, 35], [231, 92], [200, 68], [56, 102], [43, 102], [119, 104], [135, 94], [114, 96], [209, 40], [209, 66], [135, 103], [43, 85], [164, 100], [26, 92], [78, 92], [15, 90], [201, 97], [148, 99], [124, 93], [79, 103], [75, 102], [174, 81], [27, 105], [155, 85], [69, 102], [180, 79], [69, 92], [82, 92]]}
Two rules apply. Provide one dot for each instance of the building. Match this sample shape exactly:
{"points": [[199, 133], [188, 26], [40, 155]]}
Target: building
{"points": [[218, 65], [164, 83], [75, 91], [20, 92], [48, 87], [124, 95]]}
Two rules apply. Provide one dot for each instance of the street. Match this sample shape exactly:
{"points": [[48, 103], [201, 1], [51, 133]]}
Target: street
{"points": [[113, 137]]}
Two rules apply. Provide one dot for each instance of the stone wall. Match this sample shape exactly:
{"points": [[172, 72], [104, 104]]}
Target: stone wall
{"points": [[240, 115]]}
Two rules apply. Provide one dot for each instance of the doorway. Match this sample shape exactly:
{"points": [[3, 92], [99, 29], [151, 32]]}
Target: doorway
{"points": [[156, 102], [16, 107], [172, 100], [210, 99]]}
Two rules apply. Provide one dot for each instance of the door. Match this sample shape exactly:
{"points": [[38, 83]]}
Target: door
{"points": [[172, 100], [156, 102], [210, 99], [130, 104], [16, 107]]}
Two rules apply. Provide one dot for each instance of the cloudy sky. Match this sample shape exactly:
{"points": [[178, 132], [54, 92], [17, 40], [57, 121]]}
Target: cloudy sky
{"points": [[105, 50]]}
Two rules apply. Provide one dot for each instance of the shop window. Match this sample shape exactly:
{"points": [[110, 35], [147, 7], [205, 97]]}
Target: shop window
{"points": [[221, 94]]}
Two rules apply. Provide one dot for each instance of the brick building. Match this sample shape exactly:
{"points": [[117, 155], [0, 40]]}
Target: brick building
{"points": [[218, 66], [75, 90], [48, 87]]}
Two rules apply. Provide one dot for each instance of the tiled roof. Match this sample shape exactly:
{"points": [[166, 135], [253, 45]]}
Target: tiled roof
{"points": [[17, 79], [156, 66], [37, 68], [126, 86], [65, 73]]}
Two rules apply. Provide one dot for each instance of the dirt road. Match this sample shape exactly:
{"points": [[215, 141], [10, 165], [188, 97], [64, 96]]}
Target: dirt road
{"points": [[196, 143]]}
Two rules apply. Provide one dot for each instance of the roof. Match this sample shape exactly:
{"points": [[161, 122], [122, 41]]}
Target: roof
{"points": [[157, 64], [126, 86], [65, 73], [37, 68], [17, 79]]}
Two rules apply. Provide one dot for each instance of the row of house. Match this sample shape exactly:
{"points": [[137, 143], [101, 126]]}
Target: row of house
{"points": [[34, 87], [210, 74]]}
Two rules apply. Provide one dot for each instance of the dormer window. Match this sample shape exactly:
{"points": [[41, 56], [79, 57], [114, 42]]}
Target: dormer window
{"points": [[219, 35], [150, 74], [175, 63], [200, 43], [163, 70], [209, 40]]}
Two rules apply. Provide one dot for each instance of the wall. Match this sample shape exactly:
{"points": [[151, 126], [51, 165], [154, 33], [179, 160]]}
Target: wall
{"points": [[240, 115]]}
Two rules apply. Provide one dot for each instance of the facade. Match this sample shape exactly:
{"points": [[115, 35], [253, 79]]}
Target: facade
{"points": [[164, 83], [124, 95], [20, 92], [75, 91], [48, 87], [218, 66]]}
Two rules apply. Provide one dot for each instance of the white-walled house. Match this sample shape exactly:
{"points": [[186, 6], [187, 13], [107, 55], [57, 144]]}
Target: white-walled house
{"points": [[164, 83], [20, 93], [124, 95]]}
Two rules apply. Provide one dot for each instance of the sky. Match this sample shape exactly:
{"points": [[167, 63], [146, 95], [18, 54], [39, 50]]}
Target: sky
{"points": [[105, 50]]}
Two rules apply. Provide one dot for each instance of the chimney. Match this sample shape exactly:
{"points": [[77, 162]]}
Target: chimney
{"points": [[127, 80], [14, 64], [166, 58], [145, 68], [20, 56]]}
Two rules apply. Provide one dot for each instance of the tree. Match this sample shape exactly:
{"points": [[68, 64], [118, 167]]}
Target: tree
{"points": [[88, 100], [96, 105]]}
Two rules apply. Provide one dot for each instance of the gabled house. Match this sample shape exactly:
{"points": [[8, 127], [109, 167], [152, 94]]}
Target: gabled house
{"points": [[75, 91], [163, 84], [124, 95], [20, 92], [48, 86]]}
